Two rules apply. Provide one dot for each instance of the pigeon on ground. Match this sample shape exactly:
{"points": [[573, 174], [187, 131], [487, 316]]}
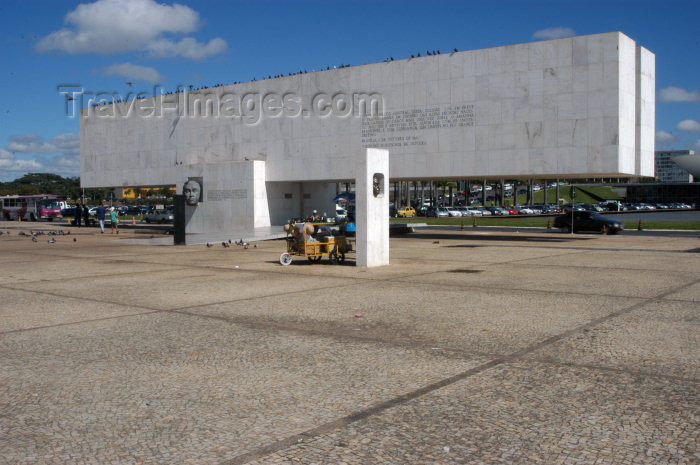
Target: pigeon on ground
{"points": [[209, 244], [75, 239], [34, 239], [436, 242], [51, 241], [224, 244]]}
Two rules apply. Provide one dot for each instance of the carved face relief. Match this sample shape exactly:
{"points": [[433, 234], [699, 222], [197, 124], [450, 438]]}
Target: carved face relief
{"points": [[192, 190], [378, 184]]}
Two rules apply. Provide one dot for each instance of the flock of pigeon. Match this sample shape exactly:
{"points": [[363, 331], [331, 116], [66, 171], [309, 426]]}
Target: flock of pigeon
{"points": [[243, 244], [33, 235]]}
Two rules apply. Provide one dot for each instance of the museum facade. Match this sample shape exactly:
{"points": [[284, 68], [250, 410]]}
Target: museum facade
{"points": [[267, 150]]}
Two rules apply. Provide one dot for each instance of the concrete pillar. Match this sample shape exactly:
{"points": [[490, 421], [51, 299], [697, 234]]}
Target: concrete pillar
{"points": [[372, 208]]}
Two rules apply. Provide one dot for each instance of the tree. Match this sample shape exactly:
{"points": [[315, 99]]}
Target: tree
{"points": [[42, 183]]}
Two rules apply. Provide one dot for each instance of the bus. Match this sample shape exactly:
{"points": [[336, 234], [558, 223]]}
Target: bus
{"points": [[30, 207]]}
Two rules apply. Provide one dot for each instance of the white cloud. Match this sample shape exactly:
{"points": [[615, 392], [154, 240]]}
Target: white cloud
{"points": [[663, 136], [30, 153], [68, 144], [187, 48], [676, 94], [133, 72], [113, 26], [10, 164], [554, 33], [688, 125]]}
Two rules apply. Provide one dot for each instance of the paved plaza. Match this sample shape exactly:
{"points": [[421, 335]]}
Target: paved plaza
{"points": [[477, 346]]}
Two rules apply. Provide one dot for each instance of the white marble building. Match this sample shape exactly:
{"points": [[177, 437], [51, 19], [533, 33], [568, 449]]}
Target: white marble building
{"points": [[271, 149]]}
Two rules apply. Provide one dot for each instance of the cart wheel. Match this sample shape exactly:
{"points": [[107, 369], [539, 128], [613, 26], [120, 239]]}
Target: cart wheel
{"points": [[340, 258], [285, 259]]}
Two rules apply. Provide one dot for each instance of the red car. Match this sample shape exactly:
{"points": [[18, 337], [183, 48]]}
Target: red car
{"points": [[510, 210]]}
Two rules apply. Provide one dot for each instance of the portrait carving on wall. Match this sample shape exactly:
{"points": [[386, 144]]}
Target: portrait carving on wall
{"points": [[192, 190], [378, 184]]}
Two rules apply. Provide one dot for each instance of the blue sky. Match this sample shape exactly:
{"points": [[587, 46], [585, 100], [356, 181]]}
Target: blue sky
{"points": [[104, 44]]}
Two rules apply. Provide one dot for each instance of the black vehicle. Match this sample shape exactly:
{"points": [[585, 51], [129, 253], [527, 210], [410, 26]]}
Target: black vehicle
{"points": [[67, 212], [588, 221]]}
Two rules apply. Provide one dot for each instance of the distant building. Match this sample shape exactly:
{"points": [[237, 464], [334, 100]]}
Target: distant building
{"points": [[690, 162], [269, 150], [667, 170]]}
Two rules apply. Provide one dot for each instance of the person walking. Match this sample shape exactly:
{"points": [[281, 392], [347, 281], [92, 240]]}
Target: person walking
{"points": [[113, 219], [101, 210], [78, 214], [86, 215]]}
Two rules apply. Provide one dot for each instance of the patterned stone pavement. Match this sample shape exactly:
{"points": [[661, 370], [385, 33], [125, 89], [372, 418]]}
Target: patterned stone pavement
{"points": [[471, 347]]}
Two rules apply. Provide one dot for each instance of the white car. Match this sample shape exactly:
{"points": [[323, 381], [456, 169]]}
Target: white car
{"points": [[453, 211], [473, 211], [484, 211]]}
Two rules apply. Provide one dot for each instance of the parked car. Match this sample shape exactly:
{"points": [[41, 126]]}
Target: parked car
{"points": [[453, 211], [510, 210], [524, 210], [575, 206], [498, 210], [68, 211], [130, 210], [392, 210], [484, 211], [551, 209], [587, 221], [159, 216], [436, 212], [406, 212]]}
